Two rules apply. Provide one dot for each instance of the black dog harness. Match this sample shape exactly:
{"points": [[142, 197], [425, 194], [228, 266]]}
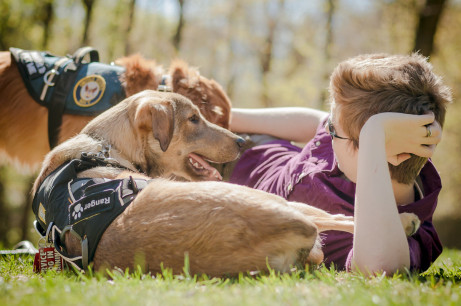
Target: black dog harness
{"points": [[69, 85], [84, 207]]}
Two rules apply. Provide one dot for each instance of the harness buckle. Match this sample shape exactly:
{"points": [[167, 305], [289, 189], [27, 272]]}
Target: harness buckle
{"points": [[47, 239], [48, 231], [48, 77], [48, 80], [105, 151]]}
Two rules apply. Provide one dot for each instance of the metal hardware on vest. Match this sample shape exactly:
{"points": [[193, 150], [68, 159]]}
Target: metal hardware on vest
{"points": [[101, 160], [163, 86], [47, 78]]}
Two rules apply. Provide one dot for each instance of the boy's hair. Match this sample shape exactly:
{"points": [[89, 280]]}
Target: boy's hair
{"points": [[366, 85]]}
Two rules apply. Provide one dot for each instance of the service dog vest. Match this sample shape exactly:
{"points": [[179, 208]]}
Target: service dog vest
{"points": [[69, 85], [85, 207]]}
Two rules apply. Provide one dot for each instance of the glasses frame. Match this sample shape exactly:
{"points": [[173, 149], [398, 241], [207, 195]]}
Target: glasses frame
{"points": [[332, 131]]}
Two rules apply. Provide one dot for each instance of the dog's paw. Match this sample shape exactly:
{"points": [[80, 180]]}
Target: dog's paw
{"points": [[410, 223]]}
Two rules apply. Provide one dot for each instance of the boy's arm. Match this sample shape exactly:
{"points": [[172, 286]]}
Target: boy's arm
{"points": [[380, 243], [291, 123]]}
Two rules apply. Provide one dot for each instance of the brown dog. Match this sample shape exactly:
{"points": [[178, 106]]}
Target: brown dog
{"points": [[224, 228], [159, 134], [23, 121]]}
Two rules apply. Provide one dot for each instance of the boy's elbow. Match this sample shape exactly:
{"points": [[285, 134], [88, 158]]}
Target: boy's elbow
{"points": [[376, 265]]}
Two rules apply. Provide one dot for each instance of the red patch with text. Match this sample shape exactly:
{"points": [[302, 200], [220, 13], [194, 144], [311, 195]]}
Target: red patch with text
{"points": [[47, 259]]}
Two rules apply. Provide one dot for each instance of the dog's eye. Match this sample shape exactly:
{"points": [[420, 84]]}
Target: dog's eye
{"points": [[194, 118]]}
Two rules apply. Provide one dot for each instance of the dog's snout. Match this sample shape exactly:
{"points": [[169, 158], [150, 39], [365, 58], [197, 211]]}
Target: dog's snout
{"points": [[240, 141]]}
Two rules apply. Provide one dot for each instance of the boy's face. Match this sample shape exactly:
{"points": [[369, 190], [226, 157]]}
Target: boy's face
{"points": [[345, 153]]}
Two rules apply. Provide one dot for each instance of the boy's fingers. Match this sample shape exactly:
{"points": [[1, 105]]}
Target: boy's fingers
{"points": [[436, 130], [425, 151], [432, 134], [398, 159], [426, 119]]}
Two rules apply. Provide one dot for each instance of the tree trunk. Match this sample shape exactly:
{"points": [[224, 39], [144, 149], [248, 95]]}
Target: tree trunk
{"points": [[265, 58], [129, 26], [232, 20], [88, 9], [47, 21], [331, 9], [178, 35], [428, 20]]}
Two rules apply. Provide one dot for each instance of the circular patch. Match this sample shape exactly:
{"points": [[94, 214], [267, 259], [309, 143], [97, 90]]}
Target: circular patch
{"points": [[89, 90]]}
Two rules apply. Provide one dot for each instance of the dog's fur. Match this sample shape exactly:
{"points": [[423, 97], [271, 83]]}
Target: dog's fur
{"points": [[224, 228], [23, 121]]}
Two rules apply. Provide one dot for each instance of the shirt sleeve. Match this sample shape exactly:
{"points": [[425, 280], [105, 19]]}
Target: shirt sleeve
{"points": [[425, 247]]}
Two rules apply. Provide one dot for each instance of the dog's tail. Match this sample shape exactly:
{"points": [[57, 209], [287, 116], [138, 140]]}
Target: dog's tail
{"points": [[323, 220]]}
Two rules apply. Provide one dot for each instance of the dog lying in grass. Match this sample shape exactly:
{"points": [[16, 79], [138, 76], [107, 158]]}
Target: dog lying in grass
{"points": [[23, 121], [223, 228]]}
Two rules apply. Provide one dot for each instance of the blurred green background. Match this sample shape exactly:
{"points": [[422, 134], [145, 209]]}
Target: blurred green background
{"points": [[263, 52]]}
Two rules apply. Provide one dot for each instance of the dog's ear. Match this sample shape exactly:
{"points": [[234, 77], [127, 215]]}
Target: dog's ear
{"points": [[183, 76], [158, 118], [140, 73], [163, 123]]}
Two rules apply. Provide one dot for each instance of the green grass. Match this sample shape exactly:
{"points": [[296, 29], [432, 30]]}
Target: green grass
{"points": [[440, 285]]}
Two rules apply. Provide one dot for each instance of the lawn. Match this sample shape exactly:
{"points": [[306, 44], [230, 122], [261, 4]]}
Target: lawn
{"points": [[440, 285]]}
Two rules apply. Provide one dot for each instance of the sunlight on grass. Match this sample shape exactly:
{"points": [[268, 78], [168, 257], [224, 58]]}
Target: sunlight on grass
{"points": [[440, 285]]}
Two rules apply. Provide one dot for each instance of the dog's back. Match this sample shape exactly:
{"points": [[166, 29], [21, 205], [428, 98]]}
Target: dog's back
{"points": [[23, 123]]}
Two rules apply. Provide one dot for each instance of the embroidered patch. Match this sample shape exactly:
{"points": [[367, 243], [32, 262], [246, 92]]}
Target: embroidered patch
{"points": [[42, 213], [90, 206], [89, 90]]}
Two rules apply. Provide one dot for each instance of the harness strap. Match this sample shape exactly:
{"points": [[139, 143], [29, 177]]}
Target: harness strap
{"points": [[57, 104], [80, 54], [80, 263], [58, 101]]}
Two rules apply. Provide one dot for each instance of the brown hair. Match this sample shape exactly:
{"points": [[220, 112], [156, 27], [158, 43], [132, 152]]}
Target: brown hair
{"points": [[374, 83]]}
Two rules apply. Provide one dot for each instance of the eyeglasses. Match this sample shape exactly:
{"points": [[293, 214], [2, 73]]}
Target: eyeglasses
{"points": [[331, 130]]}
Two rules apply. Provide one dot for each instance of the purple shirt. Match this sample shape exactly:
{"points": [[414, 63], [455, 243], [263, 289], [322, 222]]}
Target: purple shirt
{"points": [[311, 175]]}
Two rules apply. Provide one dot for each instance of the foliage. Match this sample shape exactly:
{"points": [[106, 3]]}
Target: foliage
{"points": [[440, 285]]}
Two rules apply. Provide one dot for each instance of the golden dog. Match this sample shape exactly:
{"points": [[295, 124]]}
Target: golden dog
{"points": [[224, 228], [23, 121]]}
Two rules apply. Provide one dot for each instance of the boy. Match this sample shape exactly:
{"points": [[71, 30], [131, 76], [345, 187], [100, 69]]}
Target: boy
{"points": [[368, 158]]}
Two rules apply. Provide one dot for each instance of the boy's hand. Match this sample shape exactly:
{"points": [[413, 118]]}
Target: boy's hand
{"points": [[408, 134]]}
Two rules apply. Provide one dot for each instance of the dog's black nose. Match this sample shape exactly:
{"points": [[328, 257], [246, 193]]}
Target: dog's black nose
{"points": [[240, 142]]}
